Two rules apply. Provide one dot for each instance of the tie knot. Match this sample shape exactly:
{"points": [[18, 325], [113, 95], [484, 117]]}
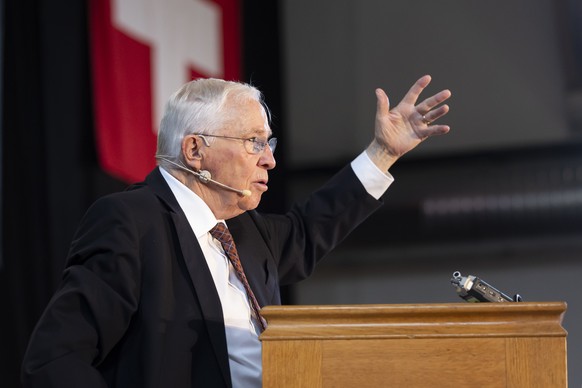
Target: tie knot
{"points": [[221, 233]]}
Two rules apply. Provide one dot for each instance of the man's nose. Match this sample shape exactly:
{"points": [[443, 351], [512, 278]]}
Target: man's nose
{"points": [[267, 159]]}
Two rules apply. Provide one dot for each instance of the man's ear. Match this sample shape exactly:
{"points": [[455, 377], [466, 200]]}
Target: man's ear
{"points": [[191, 150]]}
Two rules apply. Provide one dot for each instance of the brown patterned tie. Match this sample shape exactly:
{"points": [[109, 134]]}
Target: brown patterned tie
{"points": [[221, 233]]}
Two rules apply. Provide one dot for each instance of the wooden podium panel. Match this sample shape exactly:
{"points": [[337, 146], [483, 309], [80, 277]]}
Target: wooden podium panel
{"points": [[425, 345]]}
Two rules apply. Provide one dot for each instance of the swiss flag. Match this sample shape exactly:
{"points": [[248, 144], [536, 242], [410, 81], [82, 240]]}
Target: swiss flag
{"points": [[141, 52]]}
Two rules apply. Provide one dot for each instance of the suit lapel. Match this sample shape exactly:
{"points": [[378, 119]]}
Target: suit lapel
{"points": [[198, 271]]}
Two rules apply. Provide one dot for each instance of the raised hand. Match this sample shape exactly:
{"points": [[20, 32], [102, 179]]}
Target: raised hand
{"points": [[402, 128]]}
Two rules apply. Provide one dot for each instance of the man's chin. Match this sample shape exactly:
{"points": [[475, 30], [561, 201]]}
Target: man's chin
{"points": [[251, 202]]}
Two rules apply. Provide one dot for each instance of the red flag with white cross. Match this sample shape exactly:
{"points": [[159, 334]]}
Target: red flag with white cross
{"points": [[141, 52]]}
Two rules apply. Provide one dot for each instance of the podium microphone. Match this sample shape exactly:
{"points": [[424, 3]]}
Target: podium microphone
{"points": [[204, 176]]}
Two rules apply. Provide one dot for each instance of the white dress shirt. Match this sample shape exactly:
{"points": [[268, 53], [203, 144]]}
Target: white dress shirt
{"points": [[242, 330]]}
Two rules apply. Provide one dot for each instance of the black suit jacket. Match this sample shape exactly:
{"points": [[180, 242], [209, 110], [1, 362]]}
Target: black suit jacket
{"points": [[137, 306]]}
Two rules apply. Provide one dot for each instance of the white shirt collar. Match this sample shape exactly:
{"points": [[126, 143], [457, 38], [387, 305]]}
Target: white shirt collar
{"points": [[197, 211]]}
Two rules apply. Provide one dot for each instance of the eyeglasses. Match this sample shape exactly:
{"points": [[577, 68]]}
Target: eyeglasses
{"points": [[252, 145]]}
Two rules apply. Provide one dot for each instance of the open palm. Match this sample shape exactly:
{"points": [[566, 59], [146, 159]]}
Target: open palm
{"points": [[401, 129]]}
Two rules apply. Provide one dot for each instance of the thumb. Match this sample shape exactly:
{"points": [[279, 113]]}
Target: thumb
{"points": [[382, 102]]}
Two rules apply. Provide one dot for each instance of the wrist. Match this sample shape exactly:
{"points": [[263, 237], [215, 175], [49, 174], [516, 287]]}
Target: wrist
{"points": [[380, 155]]}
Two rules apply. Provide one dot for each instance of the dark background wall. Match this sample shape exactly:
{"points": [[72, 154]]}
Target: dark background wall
{"points": [[510, 212], [499, 197], [504, 62]]}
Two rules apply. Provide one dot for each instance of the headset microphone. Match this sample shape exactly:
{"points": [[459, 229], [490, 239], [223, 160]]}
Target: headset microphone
{"points": [[204, 176]]}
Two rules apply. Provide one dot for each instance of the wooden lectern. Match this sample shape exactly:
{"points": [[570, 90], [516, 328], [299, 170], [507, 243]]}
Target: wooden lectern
{"points": [[423, 345]]}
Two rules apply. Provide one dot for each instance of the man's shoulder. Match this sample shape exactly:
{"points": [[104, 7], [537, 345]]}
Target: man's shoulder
{"points": [[146, 192], [136, 198]]}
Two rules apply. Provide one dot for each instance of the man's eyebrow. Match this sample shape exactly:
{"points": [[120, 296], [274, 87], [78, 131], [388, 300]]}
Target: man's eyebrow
{"points": [[262, 131]]}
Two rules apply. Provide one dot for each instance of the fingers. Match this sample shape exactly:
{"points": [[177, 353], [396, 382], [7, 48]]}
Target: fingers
{"points": [[412, 96], [427, 105], [434, 130], [421, 116], [435, 114]]}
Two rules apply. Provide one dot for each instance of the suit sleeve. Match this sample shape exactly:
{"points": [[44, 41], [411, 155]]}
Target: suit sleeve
{"points": [[311, 229], [94, 304]]}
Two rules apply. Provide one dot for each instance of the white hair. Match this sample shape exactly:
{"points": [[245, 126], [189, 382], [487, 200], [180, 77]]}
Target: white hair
{"points": [[198, 107]]}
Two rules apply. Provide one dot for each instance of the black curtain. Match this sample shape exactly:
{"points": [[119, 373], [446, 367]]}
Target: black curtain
{"points": [[49, 167], [263, 68]]}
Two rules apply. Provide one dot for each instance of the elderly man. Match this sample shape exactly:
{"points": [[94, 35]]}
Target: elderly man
{"points": [[165, 281]]}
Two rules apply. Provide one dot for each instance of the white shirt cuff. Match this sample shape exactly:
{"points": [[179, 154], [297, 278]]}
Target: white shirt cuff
{"points": [[375, 181]]}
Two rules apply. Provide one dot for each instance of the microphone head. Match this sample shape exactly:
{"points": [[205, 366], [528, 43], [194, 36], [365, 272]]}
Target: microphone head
{"points": [[246, 193], [204, 175]]}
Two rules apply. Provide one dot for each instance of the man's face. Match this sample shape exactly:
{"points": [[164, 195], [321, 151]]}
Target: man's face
{"points": [[231, 164]]}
